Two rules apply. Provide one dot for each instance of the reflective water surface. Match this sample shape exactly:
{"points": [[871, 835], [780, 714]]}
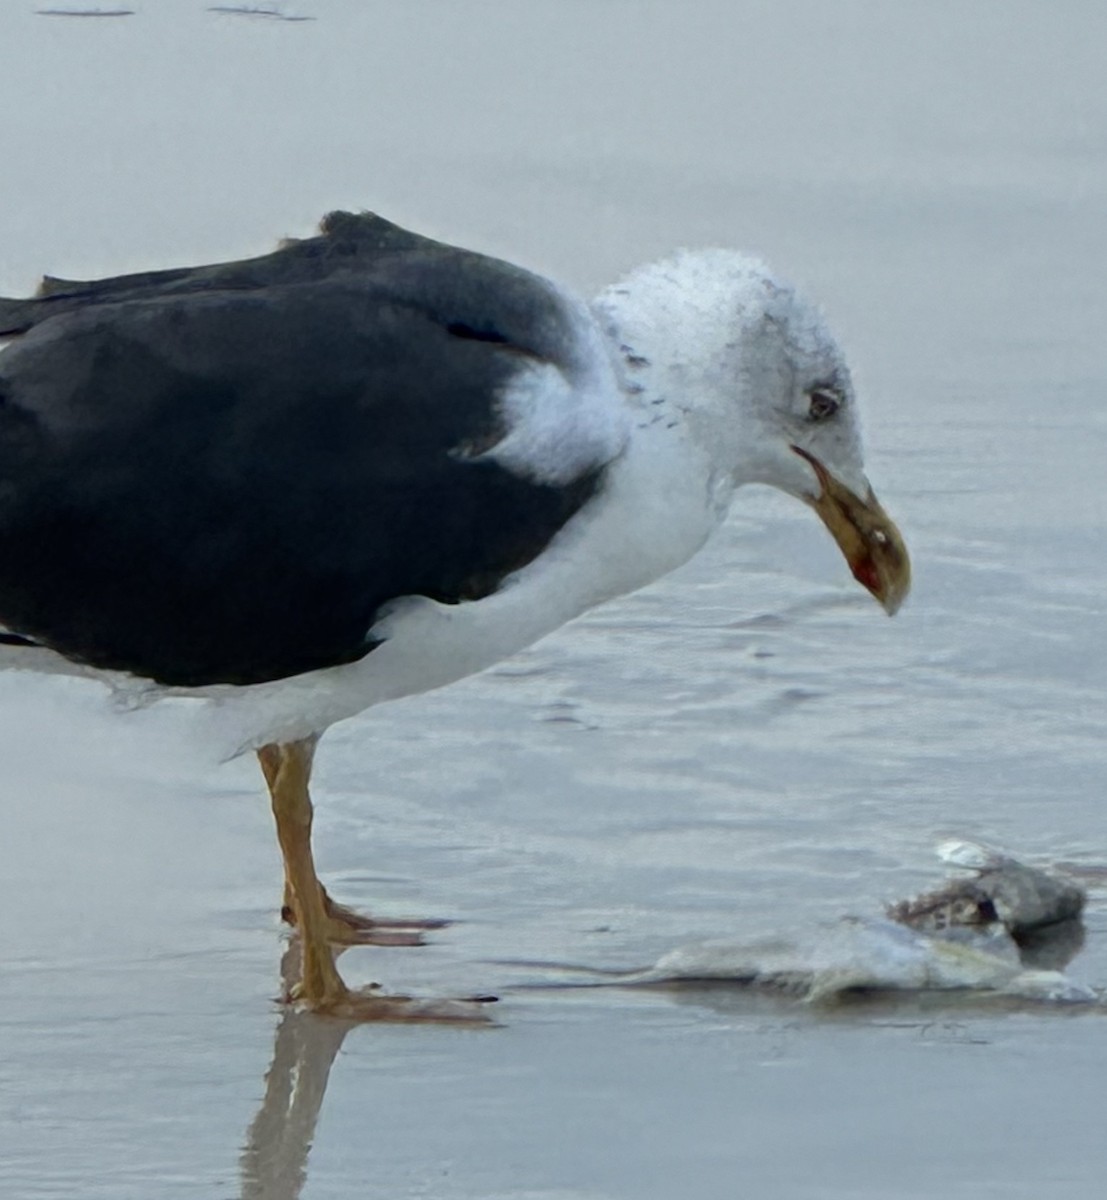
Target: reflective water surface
{"points": [[746, 748]]}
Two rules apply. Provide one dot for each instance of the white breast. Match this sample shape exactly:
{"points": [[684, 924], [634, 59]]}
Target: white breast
{"points": [[644, 522]]}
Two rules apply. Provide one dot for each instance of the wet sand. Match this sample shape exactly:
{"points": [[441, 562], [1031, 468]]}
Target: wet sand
{"points": [[748, 747]]}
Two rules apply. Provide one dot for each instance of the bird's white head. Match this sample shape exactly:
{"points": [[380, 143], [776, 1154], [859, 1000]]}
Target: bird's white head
{"points": [[758, 382]]}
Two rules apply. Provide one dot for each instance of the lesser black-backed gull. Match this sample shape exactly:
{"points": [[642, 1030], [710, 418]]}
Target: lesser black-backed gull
{"points": [[369, 464]]}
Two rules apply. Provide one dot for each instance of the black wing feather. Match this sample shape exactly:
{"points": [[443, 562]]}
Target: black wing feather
{"points": [[348, 242], [225, 486]]}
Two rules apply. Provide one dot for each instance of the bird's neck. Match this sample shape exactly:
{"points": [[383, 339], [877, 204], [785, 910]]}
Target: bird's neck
{"points": [[679, 330], [670, 490], [684, 415]]}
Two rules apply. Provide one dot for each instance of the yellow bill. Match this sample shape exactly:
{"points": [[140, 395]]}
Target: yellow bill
{"points": [[866, 535]]}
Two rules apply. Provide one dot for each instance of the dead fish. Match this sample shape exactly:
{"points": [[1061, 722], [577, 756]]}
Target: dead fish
{"points": [[858, 955], [1004, 931]]}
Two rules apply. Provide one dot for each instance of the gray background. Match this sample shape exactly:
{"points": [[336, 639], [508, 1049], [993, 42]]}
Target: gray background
{"points": [[749, 746]]}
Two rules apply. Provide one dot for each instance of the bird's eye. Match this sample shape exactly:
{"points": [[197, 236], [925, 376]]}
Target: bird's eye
{"points": [[824, 403]]}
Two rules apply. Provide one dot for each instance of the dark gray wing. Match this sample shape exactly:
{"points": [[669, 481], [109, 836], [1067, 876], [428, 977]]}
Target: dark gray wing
{"points": [[204, 480], [347, 242], [498, 300]]}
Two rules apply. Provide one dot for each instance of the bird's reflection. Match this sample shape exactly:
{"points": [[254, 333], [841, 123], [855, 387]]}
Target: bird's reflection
{"points": [[274, 1159]]}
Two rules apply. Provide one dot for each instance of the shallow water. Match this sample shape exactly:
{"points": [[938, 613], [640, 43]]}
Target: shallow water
{"points": [[748, 747]]}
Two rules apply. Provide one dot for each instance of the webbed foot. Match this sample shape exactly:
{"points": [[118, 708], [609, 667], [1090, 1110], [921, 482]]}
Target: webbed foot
{"points": [[347, 927]]}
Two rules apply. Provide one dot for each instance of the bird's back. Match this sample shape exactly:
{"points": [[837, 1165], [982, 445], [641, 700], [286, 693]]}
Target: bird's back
{"points": [[220, 475]]}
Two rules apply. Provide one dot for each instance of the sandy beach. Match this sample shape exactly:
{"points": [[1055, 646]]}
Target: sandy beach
{"points": [[746, 749]]}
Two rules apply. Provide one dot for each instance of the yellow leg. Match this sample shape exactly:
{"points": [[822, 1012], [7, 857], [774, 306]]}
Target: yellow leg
{"points": [[287, 770], [345, 926]]}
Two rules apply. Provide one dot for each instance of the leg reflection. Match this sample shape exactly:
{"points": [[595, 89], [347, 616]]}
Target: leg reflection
{"points": [[274, 1159]]}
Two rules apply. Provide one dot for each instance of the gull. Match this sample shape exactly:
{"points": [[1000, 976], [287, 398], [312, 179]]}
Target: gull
{"points": [[369, 464]]}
